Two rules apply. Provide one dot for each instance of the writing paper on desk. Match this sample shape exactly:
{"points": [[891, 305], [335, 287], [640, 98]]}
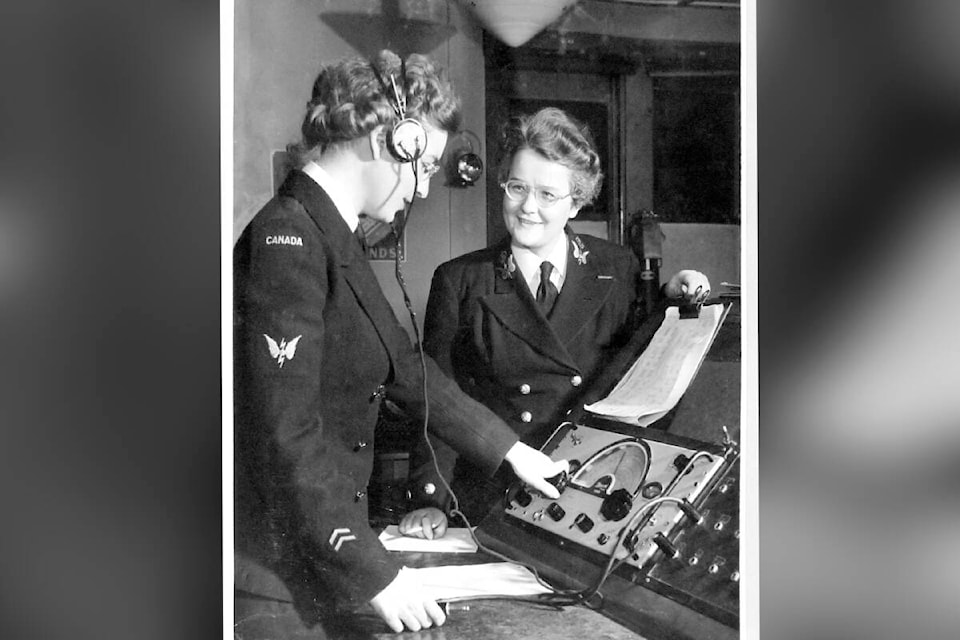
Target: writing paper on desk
{"points": [[455, 540], [662, 373], [478, 581]]}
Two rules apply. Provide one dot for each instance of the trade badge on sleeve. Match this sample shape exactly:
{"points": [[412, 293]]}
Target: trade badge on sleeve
{"points": [[283, 351]]}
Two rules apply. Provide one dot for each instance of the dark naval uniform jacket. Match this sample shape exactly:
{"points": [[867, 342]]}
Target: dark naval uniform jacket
{"points": [[317, 348], [483, 326]]}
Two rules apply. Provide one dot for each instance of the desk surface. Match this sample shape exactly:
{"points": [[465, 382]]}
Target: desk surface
{"points": [[485, 620], [711, 401]]}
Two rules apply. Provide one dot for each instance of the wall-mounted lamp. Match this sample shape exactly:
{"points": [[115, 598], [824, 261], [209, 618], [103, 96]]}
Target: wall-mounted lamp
{"points": [[465, 166]]}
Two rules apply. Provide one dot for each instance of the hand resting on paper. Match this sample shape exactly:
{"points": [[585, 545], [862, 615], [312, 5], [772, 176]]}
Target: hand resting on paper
{"points": [[531, 466], [428, 523], [402, 604], [691, 285]]}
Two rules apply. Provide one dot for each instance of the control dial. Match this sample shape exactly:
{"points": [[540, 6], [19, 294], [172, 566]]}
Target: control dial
{"points": [[617, 505]]}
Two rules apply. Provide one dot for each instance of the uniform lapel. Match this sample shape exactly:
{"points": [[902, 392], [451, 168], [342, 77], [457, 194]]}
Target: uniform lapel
{"points": [[355, 268], [584, 291], [513, 305]]}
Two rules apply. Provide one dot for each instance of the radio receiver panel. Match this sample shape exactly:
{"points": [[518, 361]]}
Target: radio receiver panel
{"points": [[623, 493], [634, 526]]}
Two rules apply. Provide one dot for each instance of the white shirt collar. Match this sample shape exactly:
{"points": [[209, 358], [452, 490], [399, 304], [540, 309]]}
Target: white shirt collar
{"points": [[341, 199], [529, 263]]}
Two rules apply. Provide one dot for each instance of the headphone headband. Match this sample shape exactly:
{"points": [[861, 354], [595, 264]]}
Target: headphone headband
{"points": [[407, 139], [398, 101]]}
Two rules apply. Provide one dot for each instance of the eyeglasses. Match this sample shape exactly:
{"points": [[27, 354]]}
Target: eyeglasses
{"points": [[429, 169], [517, 190]]}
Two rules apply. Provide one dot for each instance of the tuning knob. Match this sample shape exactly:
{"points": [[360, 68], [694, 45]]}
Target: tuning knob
{"points": [[583, 522], [559, 481], [523, 498], [617, 505], [556, 512]]}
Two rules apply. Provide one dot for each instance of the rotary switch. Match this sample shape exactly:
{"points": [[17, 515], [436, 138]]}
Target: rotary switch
{"points": [[617, 505]]}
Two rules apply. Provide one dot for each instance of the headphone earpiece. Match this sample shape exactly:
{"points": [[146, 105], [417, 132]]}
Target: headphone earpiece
{"points": [[407, 139]]}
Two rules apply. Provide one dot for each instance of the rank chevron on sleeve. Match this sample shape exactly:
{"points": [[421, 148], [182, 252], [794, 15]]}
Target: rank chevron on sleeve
{"points": [[339, 536]]}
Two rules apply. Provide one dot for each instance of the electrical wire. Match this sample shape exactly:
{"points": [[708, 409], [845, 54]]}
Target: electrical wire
{"points": [[558, 598], [590, 597], [399, 230]]}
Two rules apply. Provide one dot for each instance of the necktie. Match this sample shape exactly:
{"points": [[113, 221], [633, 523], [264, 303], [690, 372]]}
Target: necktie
{"points": [[547, 292], [361, 238]]}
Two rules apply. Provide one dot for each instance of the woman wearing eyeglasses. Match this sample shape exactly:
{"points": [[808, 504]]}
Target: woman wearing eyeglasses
{"points": [[526, 325], [317, 348]]}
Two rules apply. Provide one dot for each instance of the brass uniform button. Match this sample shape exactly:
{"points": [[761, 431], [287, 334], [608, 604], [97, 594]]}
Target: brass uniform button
{"points": [[524, 389], [526, 416], [576, 381], [429, 488]]}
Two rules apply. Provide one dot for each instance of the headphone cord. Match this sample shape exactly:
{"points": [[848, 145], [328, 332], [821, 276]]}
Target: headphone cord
{"points": [[556, 597], [399, 230]]}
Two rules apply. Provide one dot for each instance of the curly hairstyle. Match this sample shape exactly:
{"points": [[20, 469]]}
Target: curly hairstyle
{"points": [[558, 137], [348, 101]]}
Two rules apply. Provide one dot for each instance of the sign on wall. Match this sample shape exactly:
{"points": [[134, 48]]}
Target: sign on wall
{"points": [[380, 240]]}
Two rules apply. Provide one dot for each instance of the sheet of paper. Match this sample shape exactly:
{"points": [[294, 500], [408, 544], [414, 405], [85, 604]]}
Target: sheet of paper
{"points": [[455, 540], [478, 581], [662, 373]]}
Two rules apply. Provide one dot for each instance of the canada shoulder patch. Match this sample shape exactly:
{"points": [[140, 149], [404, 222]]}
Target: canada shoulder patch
{"points": [[293, 241]]}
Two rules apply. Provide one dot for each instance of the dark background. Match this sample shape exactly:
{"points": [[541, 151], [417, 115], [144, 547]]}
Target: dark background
{"points": [[110, 315], [695, 149]]}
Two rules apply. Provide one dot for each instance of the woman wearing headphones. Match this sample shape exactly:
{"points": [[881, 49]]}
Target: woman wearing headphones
{"points": [[318, 347]]}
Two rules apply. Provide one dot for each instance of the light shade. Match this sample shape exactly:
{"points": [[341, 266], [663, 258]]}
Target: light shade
{"points": [[516, 22]]}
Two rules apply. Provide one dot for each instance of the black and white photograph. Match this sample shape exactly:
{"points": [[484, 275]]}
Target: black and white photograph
{"points": [[440, 319], [487, 268]]}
